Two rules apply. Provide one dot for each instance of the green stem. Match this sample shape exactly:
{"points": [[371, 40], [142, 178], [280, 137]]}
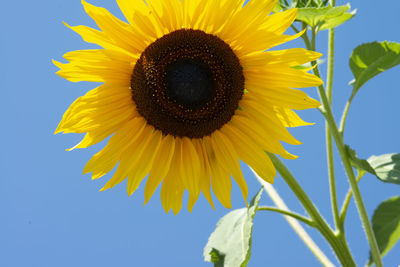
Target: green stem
{"points": [[337, 244], [305, 36], [289, 213], [344, 115], [294, 28], [328, 137], [327, 112], [347, 199], [278, 201]]}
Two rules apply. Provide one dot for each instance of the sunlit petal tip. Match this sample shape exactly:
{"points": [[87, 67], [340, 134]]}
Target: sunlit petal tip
{"points": [[245, 202], [269, 179], [175, 211], [147, 196], [68, 26], [190, 207], [57, 63], [291, 13], [192, 200], [287, 155], [297, 142], [84, 3], [316, 55], [58, 130], [212, 205], [166, 209], [89, 166], [103, 189], [319, 81], [301, 32], [145, 202], [314, 103], [73, 148]]}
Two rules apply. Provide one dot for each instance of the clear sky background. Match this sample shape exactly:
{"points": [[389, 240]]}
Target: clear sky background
{"points": [[52, 215]]}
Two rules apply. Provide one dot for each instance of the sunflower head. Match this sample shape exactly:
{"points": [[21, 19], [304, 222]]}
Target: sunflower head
{"points": [[189, 88]]}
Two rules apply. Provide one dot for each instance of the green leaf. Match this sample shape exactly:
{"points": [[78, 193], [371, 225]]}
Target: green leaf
{"points": [[359, 164], [325, 17], [386, 167], [386, 225], [368, 60], [230, 243], [285, 4], [338, 20], [308, 3], [217, 258]]}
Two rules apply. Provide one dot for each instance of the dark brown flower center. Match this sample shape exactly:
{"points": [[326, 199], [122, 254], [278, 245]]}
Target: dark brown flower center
{"points": [[187, 83]]}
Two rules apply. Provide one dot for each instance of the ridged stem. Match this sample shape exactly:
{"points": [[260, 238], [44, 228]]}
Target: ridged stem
{"points": [[288, 213], [346, 201], [328, 137], [344, 116], [278, 201], [341, 249]]}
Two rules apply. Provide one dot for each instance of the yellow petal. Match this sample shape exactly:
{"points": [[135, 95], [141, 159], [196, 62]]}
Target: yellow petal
{"points": [[118, 31], [161, 167], [254, 13], [251, 153], [220, 179], [218, 14], [190, 166], [261, 40], [130, 158], [267, 119], [141, 18], [96, 119], [289, 118], [171, 194], [90, 35], [204, 172], [284, 97], [103, 70], [260, 135], [288, 57], [93, 137], [105, 160], [102, 108], [96, 56], [172, 188], [144, 161], [227, 157], [279, 22], [168, 14], [282, 77]]}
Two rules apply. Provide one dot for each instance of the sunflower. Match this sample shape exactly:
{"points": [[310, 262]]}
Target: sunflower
{"points": [[189, 88]]}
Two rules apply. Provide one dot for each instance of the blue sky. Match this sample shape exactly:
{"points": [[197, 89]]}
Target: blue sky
{"points": [[52, 215]]}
